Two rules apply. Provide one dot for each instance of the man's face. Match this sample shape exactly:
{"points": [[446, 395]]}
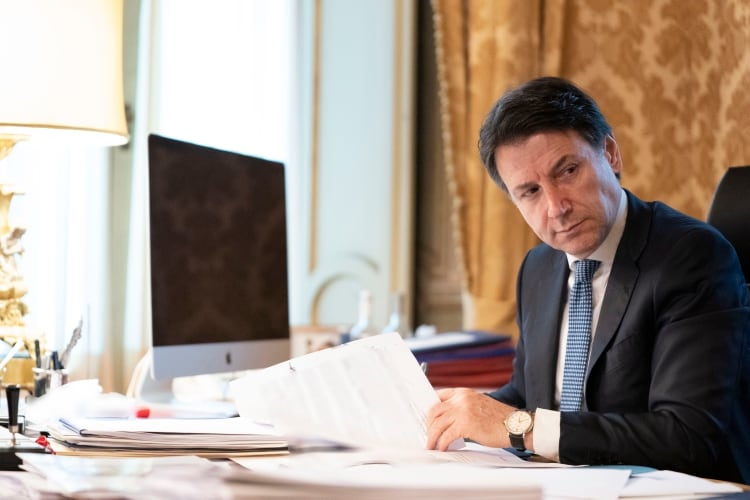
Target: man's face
{"points": [[565, 189]]}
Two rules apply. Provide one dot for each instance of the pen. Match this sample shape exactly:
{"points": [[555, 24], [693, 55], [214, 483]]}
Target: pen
{"points": [[37, 353], [55, 361], [71, 344]]}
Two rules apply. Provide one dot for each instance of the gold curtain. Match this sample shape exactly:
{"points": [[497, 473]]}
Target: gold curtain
{"points": [[672, 78]]}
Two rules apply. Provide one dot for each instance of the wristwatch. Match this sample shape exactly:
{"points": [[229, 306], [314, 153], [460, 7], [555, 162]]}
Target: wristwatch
{"points": [[519, 423]]}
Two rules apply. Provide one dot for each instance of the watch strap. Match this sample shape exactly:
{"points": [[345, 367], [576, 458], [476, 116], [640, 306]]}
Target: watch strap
{"points": [[516, 441]]}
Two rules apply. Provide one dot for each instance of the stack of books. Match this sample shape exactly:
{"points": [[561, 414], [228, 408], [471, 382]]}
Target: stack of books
{"points": [[465, 359]]}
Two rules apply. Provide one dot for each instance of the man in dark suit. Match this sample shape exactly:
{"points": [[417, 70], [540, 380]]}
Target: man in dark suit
{"points": [[664, 374]]}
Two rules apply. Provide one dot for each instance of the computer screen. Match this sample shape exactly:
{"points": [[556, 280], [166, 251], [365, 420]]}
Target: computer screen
{"points": [[219, 292]]}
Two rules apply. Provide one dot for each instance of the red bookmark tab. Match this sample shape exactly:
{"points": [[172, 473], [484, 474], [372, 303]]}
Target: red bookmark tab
{"points": [[142, 412], [44, 443]]}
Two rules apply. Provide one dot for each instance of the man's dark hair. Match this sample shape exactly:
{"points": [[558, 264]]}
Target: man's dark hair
{"points": [[546, 104]]}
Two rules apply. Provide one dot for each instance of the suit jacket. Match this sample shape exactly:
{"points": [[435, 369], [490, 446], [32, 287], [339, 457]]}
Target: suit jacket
{"points": [[668, 380]]}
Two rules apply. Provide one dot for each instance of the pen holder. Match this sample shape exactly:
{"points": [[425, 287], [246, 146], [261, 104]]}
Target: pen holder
{"points": [[46, 380]]}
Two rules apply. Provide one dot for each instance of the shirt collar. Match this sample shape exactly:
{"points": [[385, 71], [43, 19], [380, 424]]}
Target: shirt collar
{"points": [[606, 251]]}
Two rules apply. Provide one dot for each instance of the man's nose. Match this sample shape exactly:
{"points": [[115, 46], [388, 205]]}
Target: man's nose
{"points": [[558, 204]]}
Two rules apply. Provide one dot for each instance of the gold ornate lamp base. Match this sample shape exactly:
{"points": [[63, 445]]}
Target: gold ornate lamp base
{"points": [[12, 286], [12, 312]]}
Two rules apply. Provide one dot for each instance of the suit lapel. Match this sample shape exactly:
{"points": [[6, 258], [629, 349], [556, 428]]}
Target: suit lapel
{"points": [[543, 344], [622, 278]]}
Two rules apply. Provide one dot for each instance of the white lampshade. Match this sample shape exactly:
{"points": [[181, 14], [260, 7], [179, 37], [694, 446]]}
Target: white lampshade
{"points": [[61, 71]]}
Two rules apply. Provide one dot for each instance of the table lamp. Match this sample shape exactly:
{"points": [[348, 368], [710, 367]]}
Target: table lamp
{"points": [[62, 81]]}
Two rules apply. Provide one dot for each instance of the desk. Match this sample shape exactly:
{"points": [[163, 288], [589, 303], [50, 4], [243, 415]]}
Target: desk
{"points": [[335, 475], [400, 406]]}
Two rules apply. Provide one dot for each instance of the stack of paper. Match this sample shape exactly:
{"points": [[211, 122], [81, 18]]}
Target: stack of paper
{"points": [[186, 478], [152, 436], [370, 392], [444, 481]]}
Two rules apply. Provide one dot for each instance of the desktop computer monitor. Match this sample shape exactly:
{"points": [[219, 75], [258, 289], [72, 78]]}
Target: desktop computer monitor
{"points": [[219, 292]]}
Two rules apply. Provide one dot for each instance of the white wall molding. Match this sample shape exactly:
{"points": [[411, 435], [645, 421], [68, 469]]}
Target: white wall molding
{"points": [[356, 163]]}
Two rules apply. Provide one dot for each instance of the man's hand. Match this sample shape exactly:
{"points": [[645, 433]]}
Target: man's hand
{"points": [[466, 413]]}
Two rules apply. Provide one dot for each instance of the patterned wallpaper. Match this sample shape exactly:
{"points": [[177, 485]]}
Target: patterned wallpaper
{"points": [[672, 77]]}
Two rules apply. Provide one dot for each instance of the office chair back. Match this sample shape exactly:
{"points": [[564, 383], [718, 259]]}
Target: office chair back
{"points": [[730, 212]]}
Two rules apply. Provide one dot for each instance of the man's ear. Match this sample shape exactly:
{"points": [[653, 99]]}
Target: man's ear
{"points": [[612, 153]]}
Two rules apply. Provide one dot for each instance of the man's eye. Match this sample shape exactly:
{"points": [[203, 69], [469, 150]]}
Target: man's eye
{"points": [[529, 192], [570, 169]]}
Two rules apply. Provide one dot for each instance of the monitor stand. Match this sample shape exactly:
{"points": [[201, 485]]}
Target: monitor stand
{"points": [[158, 398]]}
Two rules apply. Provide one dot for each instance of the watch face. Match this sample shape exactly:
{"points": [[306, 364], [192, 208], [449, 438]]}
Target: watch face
{"points": [[519, 422]]}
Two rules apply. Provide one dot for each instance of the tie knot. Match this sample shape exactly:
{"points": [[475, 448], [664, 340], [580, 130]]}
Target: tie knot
{"points": [[585, 269]]}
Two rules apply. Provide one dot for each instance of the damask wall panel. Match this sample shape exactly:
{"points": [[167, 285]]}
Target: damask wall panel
{"points": [[670, 75], [672, 78]]}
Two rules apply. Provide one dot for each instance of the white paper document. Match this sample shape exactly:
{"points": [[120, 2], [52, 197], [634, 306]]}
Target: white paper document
{"points": [[316, 477], [188, 435], [442, 481], [370, 392], [133, 478], [663, 483]]}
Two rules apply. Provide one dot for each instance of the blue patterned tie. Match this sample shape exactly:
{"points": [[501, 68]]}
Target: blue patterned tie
{"points": [[579, 336]]}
